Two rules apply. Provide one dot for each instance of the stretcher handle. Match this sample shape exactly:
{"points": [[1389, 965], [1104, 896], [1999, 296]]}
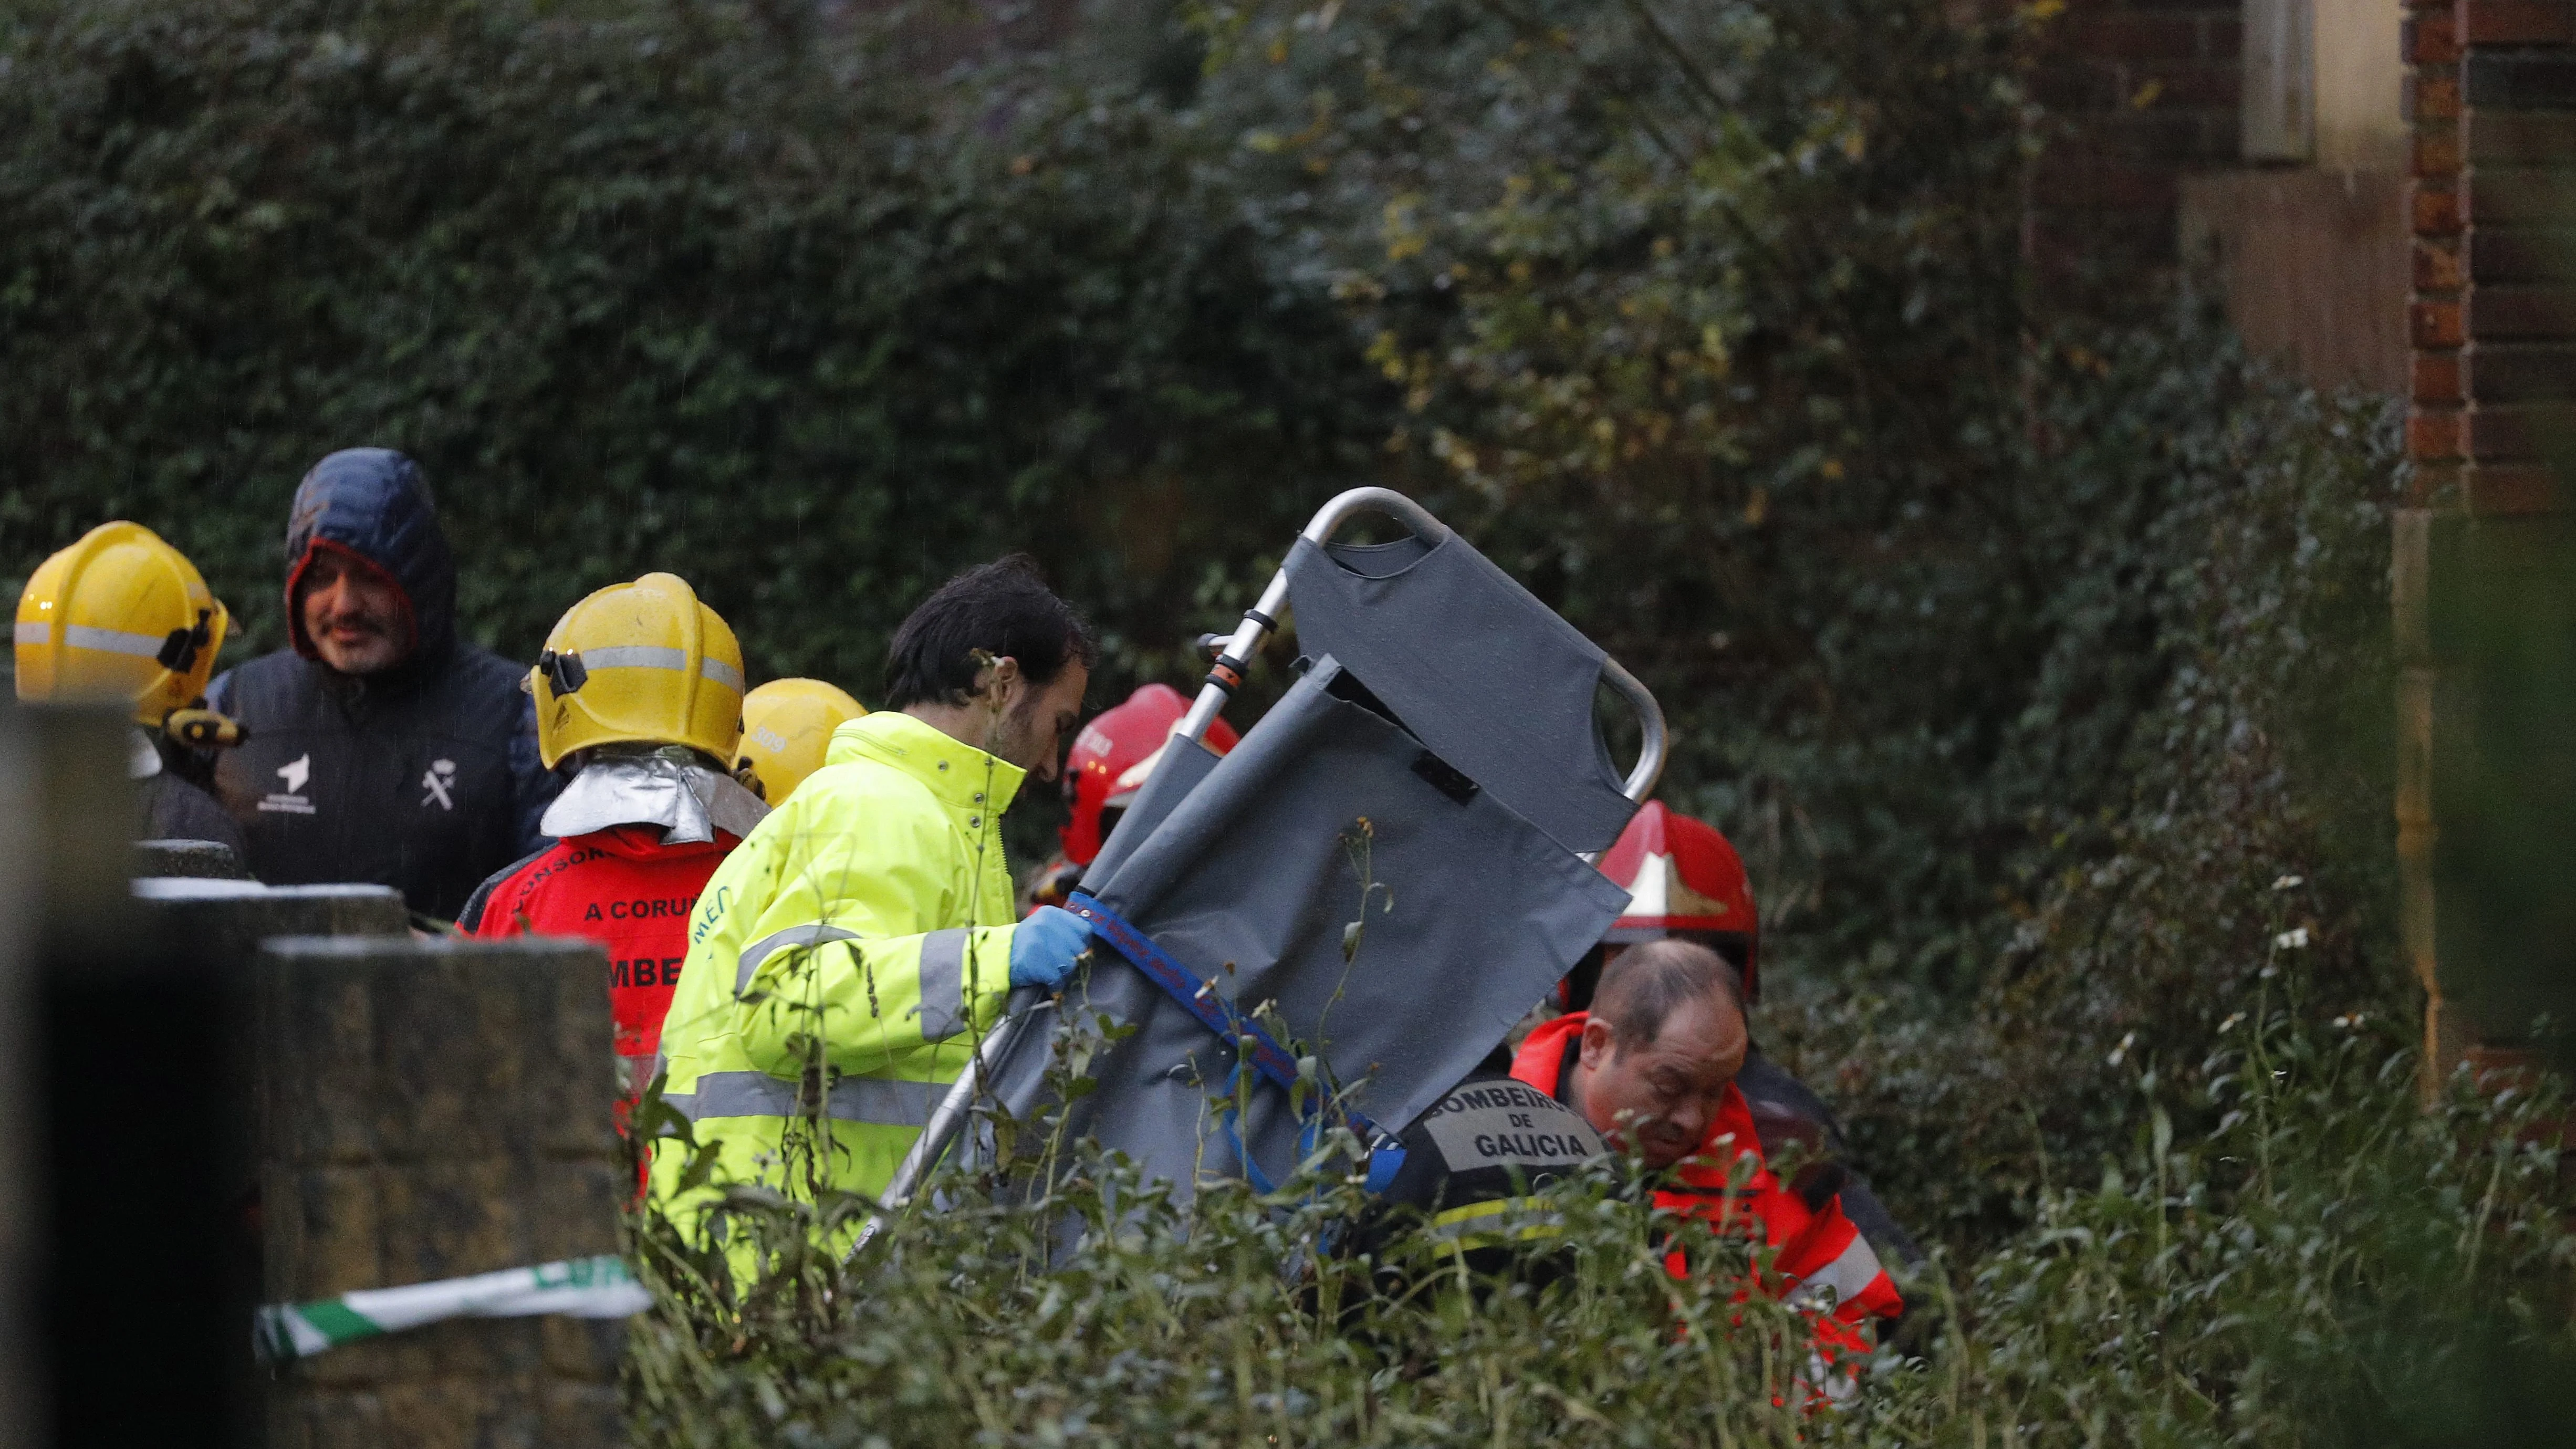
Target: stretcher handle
{"points": [[949, 1118], [1257, 625]]}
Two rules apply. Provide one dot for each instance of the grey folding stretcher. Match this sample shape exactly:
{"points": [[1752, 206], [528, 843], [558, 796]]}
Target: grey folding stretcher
{"points": [[1442, 738]]}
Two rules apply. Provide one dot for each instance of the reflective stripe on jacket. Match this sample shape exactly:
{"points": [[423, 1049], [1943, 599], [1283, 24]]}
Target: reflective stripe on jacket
{"points": [[871, 914]]}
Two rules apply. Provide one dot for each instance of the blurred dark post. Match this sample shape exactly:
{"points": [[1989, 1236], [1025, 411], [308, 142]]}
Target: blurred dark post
{"points": [[215, 925], [436, 1108], [22, 1401], [140, 1280], [2486, 808]]}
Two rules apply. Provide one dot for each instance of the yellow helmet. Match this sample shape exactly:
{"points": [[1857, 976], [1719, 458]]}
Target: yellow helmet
{"points": [[641, 663], [787, 724], [119, 615]]}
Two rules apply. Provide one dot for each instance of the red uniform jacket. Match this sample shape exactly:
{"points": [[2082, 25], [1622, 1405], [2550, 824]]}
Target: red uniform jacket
{"points": [[625, 889], [1813, 1249]]}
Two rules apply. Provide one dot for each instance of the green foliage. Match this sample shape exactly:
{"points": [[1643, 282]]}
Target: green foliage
{"points": [[2316, 1269], [2021, 656], [2329, 1265], [663, 286], [2261, 758], [1709, 325]]}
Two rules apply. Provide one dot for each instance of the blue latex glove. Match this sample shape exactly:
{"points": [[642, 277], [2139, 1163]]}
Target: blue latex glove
{"points": [[1045, 947]]}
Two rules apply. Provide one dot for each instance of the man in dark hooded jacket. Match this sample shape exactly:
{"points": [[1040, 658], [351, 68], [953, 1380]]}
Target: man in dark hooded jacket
{"points": [[382, 748]]}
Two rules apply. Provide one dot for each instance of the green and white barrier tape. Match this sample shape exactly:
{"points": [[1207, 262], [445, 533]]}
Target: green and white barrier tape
{"points": [[582, 1288]]}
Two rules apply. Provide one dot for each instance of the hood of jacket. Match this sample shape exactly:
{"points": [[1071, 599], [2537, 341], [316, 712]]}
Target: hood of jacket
{"points": [[956, 772], [374, 503]]}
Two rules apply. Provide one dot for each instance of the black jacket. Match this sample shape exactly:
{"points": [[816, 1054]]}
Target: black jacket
{"points": [[424, 777], [178, 806], [1470, 1165]]}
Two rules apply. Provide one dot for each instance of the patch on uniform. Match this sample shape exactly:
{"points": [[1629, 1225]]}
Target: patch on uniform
{"points": [[1508, 1124]]}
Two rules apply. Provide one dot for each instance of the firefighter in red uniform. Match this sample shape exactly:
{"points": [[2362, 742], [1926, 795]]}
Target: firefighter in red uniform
{"points": [[1652, 1068], [1686, 882], [1109, 762], [641, 688]]}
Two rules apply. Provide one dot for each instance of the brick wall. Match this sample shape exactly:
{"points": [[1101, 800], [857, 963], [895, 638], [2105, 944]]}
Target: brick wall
{"points": [[2491, 98], [2140, 94], [2491, 91]]}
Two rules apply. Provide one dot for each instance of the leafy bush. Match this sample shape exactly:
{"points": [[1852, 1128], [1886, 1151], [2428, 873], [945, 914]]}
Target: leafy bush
{"points": [[661, 286], [2021, 655], [2263, 759], [2320, 1267]]}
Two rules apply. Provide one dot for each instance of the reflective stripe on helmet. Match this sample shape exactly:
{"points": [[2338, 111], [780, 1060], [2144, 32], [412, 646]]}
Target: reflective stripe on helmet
{"points": [[651, 656], [106, 641], [878, 1101]]}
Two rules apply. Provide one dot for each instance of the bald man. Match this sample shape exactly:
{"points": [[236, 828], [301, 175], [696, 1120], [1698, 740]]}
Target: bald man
{"points": [[1651, 1068]]}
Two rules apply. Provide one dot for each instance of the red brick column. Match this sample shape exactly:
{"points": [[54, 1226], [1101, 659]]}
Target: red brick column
{"points": [[2517, 72], [2435, 320], [2491, 95]]}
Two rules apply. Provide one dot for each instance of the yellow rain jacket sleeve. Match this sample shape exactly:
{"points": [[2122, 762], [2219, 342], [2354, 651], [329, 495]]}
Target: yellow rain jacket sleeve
{"points": [[865, 925]]}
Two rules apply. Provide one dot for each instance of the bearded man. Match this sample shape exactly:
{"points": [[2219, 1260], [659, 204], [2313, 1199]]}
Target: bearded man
{"points": [[845, 958], [381, 748]]}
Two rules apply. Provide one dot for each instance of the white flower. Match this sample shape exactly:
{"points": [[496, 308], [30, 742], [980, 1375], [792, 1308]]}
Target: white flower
{"points": [[2289, 882], [2293, 939], [2230, 1023], [2120, 1052]]}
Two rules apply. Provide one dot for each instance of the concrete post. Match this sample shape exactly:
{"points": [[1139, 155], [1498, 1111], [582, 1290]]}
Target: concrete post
{"points": [[204, 858], [220, 923], [434, 1108]]}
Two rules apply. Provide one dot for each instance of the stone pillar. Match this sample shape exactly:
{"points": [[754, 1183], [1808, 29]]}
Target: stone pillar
{"points": [[434, 1108], [220, 923], [205, 859]]}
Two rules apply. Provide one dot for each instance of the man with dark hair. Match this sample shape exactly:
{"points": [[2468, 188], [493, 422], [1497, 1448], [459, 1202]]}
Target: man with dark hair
{"points": [[380, 747], [845, 958]]}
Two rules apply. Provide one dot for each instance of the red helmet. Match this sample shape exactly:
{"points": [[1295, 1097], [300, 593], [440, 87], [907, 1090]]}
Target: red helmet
{"points": [[1111, 758], [1684, 879]]}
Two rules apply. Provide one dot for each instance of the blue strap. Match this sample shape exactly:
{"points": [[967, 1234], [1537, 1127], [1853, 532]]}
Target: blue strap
{"points": [[1212, 1009], [1384, 1163]]}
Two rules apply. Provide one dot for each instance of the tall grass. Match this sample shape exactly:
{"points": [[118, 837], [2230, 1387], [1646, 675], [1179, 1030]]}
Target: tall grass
{"points": [[2293, 1275]]}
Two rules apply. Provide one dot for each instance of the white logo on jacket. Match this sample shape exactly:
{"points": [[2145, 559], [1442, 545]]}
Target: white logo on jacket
{"points": [[291, 800], [436, 781]]}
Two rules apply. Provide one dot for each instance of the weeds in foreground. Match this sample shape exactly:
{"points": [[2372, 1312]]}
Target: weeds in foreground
{"points": [[2332, 1263]]}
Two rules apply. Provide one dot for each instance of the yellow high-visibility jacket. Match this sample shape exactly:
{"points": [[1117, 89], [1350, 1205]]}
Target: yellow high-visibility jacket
{"points": [[871, 914]]}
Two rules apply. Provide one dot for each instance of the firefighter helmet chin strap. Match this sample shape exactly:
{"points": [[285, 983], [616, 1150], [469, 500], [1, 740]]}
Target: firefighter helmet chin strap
{"points": [[564, 672]]}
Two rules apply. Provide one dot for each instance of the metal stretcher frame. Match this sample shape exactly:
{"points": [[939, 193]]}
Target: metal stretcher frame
{"points": [[1225, 676]]}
